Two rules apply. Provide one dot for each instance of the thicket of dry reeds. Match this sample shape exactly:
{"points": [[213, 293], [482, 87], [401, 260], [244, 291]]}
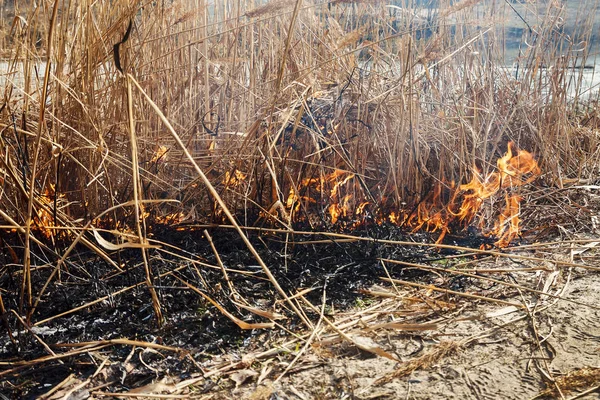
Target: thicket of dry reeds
{"points": [[269, 101]]}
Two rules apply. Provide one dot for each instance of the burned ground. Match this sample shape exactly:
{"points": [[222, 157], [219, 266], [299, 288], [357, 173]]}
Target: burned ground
{"points": [[192, 324], [201, 338]]}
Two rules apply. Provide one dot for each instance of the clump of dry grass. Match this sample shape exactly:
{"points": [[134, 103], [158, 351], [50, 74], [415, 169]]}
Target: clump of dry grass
{"points": [[573, 381], [425, 361]]}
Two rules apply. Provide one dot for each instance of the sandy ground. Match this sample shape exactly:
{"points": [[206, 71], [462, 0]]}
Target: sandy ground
{"points": [[502, 361]]}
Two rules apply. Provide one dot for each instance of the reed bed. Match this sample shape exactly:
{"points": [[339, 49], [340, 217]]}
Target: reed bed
{"points": [[265, 96], [294, 112]]}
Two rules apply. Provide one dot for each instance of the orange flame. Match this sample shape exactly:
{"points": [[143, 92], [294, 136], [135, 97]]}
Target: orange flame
{"points": [[461, 207], [446, 207], [235, 178], [330, 186], [507, 226], [160, 155], [512, 172], [43, 221]]}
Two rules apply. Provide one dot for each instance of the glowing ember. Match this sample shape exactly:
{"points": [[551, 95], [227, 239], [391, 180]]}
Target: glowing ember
{"points": [[160, 155], [235, 178], [170, 219]]}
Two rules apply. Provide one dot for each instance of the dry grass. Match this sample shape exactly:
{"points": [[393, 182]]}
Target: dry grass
{"points": [[365, 88], [442, 350], [573, 381]]}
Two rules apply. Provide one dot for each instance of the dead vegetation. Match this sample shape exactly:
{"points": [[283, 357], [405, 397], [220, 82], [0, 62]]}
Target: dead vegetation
{"points": [[231, 154]]}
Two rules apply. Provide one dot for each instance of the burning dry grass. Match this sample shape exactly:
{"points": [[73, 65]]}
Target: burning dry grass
{"points": [[323, 116]]}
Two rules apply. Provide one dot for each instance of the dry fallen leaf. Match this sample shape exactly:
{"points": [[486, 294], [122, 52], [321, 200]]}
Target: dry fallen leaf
{"points": [[584, 248], [369, 345], [113, 247]]}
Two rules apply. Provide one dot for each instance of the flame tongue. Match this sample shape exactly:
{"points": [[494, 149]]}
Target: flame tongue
{"points": [[507, 226], [512, 172]]}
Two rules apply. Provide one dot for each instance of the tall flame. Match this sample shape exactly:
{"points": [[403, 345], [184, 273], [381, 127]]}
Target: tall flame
{"points": [[513, 171]]}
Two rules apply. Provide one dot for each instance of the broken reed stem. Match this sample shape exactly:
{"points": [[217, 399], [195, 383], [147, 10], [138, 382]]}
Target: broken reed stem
{"points": [[26, 281], [310, 339], [452, 292], [30, 363], [232, 290], [241, 324], [137, 395], [220, 201], [40, 341], [483, 278], [139, 214], [123, 342]]}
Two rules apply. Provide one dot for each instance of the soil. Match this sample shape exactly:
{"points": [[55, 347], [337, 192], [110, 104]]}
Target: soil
{"points": [[502, 365]]}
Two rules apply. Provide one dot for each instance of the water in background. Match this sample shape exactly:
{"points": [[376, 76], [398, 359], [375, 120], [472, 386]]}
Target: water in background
{"points": [[13, 75]]}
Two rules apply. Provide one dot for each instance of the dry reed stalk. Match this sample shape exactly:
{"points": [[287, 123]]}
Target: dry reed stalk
{"points": [[138, 206], [455, 293], [241, 324], [26, 290], [234, 293]]}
